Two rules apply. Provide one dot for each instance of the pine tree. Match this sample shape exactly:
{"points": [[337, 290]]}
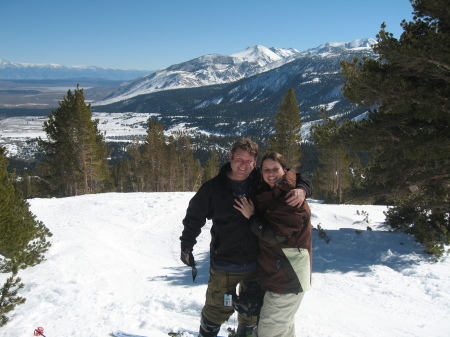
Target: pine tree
{"points": [[8, 295], [98, 175], [23, 239], [190, 170], [410, 85], [76, 153], [211, 166], [333, 178], [173, 174], [133, 168], [154, 157], [407, 135], [288, 126]]}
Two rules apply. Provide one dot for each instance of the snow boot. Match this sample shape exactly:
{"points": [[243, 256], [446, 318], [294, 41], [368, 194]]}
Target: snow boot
{"points": [[244, 330], [208, 329]]}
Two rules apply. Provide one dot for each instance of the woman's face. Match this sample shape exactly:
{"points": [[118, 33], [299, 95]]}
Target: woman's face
{"points": [[272, 171]]}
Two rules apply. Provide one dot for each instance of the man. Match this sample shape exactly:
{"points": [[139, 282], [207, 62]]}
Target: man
{"points": [[233, 248]]}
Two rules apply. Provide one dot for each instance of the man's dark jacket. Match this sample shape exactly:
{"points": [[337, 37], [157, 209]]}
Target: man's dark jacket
{"points": [[232, 241]]}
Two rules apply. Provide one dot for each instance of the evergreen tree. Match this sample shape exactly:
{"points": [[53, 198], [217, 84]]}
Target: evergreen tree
{"points": [[23, 239], [8, 295], [211, 166], [190, 170], [288, 126], [334, 175], [76, 153], [407, 135], [173, 174], [133, 168], [154, 157]]}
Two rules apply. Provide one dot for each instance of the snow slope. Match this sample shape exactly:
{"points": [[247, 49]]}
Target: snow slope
{"points": [[114, 264]]}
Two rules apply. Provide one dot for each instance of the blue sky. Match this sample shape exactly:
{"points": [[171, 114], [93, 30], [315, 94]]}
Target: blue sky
{"points": [[154, 34]]}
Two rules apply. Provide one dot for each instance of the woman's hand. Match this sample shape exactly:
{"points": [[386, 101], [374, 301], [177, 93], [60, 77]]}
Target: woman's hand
{"points": [[245, 207]]}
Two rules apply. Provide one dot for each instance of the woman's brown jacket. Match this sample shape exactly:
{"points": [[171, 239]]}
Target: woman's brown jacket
{"points": [[285, 239]]}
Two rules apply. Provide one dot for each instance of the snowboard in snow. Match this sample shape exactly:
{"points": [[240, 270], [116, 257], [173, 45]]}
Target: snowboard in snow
{"points": [[180, 332], [118, 333], [175, 333]]}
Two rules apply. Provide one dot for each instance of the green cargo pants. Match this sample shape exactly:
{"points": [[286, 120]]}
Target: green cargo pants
{"points": [[221, 283]]}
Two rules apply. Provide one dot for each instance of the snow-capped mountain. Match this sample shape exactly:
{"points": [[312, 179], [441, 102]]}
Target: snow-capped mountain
{"points": [[247, 106], [206, 70], [216, 69], [26, 71], [335, 46], [264, 55]]}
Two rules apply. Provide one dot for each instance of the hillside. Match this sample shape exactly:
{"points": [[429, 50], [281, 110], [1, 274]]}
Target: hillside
{"points": [[114, 264]]}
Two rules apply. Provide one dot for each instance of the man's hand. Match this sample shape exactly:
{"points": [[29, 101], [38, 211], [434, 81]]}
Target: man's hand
{"points": [[187, 258], [296, 197]]}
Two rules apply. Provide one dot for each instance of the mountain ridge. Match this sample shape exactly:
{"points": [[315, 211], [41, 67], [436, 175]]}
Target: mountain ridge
{"points": [[30, 71], [209, 69], [213, 69], [247, 106]]}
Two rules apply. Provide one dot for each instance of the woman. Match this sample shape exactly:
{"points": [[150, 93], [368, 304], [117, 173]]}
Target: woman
{"points": [[285, 239]]}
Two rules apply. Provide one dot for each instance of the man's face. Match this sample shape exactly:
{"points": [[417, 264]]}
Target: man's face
{"points": [[242, 164]]}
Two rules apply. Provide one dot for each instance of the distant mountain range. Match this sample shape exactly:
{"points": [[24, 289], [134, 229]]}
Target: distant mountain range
{"points": [[27, 71], [216, 69], [206, 70], [240, 93]]}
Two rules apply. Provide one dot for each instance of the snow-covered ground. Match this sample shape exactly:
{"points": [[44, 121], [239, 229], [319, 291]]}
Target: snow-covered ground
{"points": [[18, 134], [114, 124], [114, 264], [15, 132]]}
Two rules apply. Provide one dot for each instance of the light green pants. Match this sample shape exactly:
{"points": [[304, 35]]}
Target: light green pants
{"points": [[277, 318], [221, 283]]}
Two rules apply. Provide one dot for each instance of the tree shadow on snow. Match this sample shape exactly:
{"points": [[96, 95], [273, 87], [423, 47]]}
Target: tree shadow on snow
{"points": [[182, 275], [358, 250], [348, 250]]}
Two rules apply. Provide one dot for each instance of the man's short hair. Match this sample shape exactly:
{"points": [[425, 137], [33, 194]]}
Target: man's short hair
{"points": [[246, 144]]}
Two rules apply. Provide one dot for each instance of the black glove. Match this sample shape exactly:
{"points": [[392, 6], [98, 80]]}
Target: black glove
{"points": [[186, 254], [187, 258]]}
